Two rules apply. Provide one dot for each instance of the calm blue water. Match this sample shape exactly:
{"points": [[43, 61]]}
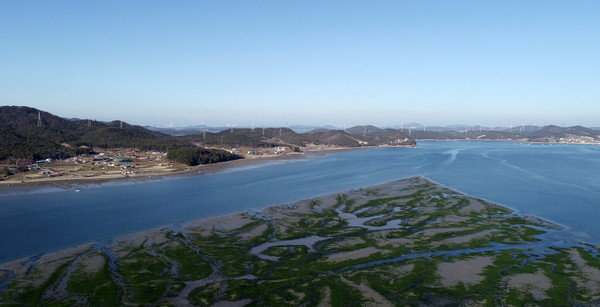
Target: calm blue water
{"points": [[560, 183]]}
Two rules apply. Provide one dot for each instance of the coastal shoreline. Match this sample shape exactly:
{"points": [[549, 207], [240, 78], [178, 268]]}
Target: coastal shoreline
{"points": [[13, 186], [412, 227], [507, 141], [213, 221], [10, 186]]}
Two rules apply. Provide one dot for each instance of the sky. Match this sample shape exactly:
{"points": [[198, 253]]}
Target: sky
{"points": [[283, 62]]}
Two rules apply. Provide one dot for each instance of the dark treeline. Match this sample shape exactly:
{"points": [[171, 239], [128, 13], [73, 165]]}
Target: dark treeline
{"points": [[193, 156]]}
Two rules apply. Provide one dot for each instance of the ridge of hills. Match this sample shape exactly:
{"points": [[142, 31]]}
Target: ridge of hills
{"points": [[373, 134], [33, 134], [29, 133], [271, 137]]}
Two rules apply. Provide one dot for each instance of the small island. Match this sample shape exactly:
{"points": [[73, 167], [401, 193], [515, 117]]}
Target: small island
{"points": [[407, 242]]}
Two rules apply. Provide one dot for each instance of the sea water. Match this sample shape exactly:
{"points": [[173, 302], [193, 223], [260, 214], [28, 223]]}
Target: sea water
{"points": [[560, 183]]}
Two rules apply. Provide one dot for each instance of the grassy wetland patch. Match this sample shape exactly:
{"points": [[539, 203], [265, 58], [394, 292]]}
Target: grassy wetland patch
{"points": [[405, 243]]}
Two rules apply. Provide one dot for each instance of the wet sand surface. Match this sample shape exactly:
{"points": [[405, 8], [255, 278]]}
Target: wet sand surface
{"points": [[409, 240]]}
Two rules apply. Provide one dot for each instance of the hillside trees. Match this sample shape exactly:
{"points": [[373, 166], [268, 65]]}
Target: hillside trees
{"points": [[197, 155], [33, 134]]}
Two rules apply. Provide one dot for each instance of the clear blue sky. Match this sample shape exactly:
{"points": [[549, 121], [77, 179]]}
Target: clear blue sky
{"points": [[305, 62]]}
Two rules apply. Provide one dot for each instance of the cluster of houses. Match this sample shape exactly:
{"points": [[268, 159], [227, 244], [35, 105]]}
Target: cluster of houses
{"points": [[46, 171], [579, 140], [126, 162], [118, 159], [274, 151], [121, 161], [573, 139]]}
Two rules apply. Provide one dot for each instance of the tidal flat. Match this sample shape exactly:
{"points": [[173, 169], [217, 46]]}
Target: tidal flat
{"points": [[409, 242]]}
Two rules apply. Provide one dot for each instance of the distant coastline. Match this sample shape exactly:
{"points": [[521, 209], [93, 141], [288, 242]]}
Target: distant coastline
{"points": [[506, 141], [75, 180], [69, 182]]}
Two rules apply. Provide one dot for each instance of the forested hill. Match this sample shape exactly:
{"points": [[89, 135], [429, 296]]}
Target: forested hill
{"points": [[270, 137], [32, 134]]}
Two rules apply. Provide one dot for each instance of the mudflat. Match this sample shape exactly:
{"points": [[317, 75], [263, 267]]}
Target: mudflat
{"points": [[407, 242]]}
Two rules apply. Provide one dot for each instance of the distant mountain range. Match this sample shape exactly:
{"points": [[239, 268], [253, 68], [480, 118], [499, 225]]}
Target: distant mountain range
{"points": [[546, 134], [32, 134], [270, 137], [526, 133], [202, 128], [309, 128]]}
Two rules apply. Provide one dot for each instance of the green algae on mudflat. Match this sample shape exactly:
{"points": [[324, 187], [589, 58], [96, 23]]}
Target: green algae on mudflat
{"points": [[352, 264]]}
